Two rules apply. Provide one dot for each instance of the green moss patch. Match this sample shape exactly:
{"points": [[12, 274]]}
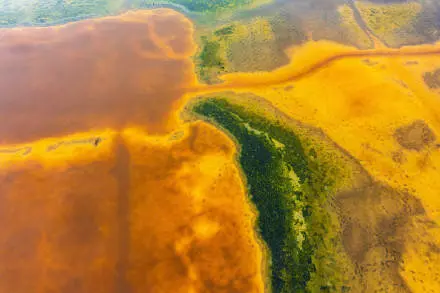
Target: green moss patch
{"points": [[239, 47]]}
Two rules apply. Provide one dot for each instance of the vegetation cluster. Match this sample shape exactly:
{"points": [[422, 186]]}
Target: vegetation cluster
{"points": [[290, 183]]}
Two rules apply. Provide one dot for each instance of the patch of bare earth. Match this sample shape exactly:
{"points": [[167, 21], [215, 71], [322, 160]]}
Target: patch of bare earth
{"points": [[375, 220], [432, 79], [415, 136]]}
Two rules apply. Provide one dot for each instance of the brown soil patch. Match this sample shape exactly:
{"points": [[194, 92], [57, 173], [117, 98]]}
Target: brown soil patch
{"points": [[375, 220], [103, 73], [399, 157], [432, 79], [415, 136]]}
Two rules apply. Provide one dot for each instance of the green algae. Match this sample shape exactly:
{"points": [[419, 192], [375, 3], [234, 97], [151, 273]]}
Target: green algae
{"points": [[290, 185]]}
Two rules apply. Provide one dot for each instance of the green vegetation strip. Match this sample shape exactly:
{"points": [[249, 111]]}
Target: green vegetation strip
{"points": [[51, 12], [289, 186]]}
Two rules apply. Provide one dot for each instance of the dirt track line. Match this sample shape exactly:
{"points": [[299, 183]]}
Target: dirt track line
{"points": [[121, 172], [314, 68]]}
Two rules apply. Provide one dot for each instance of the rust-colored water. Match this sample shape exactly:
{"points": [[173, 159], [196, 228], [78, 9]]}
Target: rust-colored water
{"points": [[134, 214], [111, 72], [94, 197]]}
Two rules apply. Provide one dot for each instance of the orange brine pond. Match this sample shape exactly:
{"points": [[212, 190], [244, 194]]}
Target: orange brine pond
{"points": [[97, 192], [110, 72]]}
